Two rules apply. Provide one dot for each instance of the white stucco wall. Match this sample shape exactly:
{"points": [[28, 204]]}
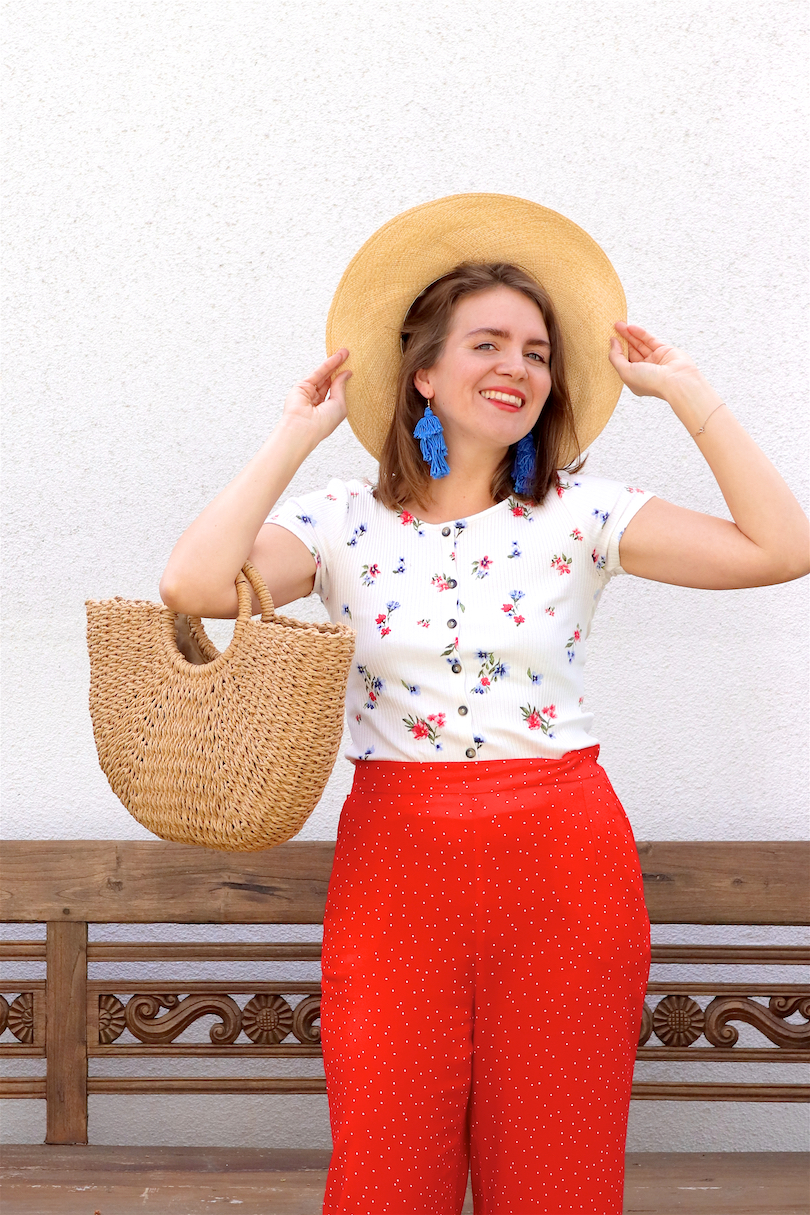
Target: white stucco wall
{"points": [[187, 181]]}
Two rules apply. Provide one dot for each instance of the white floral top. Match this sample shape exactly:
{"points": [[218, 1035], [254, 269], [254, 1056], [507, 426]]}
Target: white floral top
{"points": [[471, 634]]}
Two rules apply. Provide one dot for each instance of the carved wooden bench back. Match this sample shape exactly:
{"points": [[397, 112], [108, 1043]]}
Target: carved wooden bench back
{"points": [[67, 1017]]}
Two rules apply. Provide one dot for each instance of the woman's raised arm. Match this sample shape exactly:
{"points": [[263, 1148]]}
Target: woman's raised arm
{"points": [[200, 576], [769, 539]]}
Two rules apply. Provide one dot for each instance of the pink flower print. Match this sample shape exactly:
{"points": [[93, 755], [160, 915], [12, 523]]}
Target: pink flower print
{"points": [[407, 519], [429, 728], [632, 490], [482, 567], [520, 510], [369, 574], [561, 564], [358, 716], [562, 486], [598, 561], [511, 608], [382, 620], [550, 611], [570, 644], [425, 624], [576, 534], [539, 719], [331, 497], [441, 582]]}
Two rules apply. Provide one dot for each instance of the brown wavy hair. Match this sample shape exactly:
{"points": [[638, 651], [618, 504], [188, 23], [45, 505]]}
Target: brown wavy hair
{"points": [[404, 475]]}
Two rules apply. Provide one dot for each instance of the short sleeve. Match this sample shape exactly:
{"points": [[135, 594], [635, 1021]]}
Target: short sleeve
{"points": [[318, 519], [602, 510], [629, 501]]}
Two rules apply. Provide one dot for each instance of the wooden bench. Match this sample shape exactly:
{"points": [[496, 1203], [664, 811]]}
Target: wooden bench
{"points": [[68, 1018]]}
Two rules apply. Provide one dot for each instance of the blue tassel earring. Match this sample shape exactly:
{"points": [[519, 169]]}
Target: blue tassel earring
{"points": [[429, 432], [523, 466]]}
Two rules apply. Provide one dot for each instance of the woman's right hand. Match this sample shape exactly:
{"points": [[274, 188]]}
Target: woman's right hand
{"points": [[318, 404]]}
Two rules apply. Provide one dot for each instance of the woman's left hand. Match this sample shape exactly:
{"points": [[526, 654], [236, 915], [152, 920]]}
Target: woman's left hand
{"points": [[653, 367]]}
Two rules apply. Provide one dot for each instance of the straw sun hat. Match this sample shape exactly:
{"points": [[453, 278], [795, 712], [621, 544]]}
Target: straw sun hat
{"points": [[411, 251]]}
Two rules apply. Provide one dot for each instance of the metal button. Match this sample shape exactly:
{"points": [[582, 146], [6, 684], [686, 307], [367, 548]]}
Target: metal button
{"points": [[451, 624], [463, 710], [445, 531], [455, 668], [470, 753], [451, 582]]}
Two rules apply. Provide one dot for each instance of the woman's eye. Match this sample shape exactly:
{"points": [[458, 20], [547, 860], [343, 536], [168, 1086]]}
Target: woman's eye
{"points": [[481, 345], [534, 355]]}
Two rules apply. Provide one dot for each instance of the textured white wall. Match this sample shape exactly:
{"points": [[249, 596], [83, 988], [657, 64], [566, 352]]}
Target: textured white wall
{"points": [[187, 181]]}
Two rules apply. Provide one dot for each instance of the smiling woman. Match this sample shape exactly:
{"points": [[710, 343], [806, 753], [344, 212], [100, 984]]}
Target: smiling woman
{"points": [[455, 345], [486, 879]]}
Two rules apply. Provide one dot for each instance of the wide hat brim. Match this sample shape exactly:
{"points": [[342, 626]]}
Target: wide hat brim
{"points": [[417, 247]]}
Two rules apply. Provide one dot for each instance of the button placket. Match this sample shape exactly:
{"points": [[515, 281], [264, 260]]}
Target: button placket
{"points": [[456, 666]]}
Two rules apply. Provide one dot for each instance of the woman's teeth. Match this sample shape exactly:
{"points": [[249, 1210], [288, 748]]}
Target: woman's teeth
{"points": [[489, 395]]}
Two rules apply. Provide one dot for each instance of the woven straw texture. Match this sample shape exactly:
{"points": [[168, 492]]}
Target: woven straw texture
{"points": [[411, 251], [230, 750]]}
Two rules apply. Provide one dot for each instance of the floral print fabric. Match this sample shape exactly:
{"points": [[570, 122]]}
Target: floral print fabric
{"points": [[471, 634]]}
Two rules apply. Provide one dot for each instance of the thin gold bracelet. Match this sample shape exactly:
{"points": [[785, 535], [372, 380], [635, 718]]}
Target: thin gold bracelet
{"points": [[703, 427]]}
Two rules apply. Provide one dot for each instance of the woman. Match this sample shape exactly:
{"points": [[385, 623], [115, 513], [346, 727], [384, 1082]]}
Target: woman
{"points": [[486, 942]]}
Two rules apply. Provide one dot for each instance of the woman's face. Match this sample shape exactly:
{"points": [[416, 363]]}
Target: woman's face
{"points": [[492, 378]]}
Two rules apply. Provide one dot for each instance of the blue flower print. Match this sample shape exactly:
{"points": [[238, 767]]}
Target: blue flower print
{"points": [[479, 741], [383, 618], [604, 515], [515, 550], [534, 676], [367, 753], [413, 688], [511, 608], [459, 528], [307, 519], [400, 567], [345, 611], [492, 669], [374, 685], [598, 561], [356, 534]]}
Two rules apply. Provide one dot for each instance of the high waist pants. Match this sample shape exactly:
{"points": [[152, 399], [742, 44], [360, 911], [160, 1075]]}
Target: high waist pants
{"points": [[486, 951]]}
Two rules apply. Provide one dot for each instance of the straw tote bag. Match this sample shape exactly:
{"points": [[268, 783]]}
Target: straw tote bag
{"points": [[229, 750]]}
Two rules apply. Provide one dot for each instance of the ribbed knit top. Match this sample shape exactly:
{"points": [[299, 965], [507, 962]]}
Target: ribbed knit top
{"points": [[471, 634]]}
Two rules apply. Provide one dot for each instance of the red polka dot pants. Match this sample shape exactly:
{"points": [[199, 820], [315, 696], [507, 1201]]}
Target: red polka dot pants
{"points": [[486, 951]]}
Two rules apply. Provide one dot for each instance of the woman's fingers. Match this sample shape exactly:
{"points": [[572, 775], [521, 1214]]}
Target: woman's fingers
{"points": [[327, 369], [639, 341]]}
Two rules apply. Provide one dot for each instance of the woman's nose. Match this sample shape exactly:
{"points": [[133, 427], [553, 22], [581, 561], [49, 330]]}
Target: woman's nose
{"points": [[512, 364]]}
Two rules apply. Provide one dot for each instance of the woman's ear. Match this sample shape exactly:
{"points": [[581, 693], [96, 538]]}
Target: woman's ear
{"points": [[422, 384]]}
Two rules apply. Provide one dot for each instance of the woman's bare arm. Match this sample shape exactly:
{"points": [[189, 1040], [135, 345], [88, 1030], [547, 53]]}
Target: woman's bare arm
{"points": [[769, 538], [200, 576]]}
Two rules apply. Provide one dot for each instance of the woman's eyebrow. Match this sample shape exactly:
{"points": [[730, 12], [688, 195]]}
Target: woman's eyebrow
{"points": [[504, 333]]}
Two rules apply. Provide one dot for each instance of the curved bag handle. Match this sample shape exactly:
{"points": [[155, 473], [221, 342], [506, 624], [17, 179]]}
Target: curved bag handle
{"points": [[189, 633]]}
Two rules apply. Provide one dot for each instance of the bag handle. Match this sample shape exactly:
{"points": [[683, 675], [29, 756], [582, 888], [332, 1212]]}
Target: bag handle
{"points": [[190, 636]]}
